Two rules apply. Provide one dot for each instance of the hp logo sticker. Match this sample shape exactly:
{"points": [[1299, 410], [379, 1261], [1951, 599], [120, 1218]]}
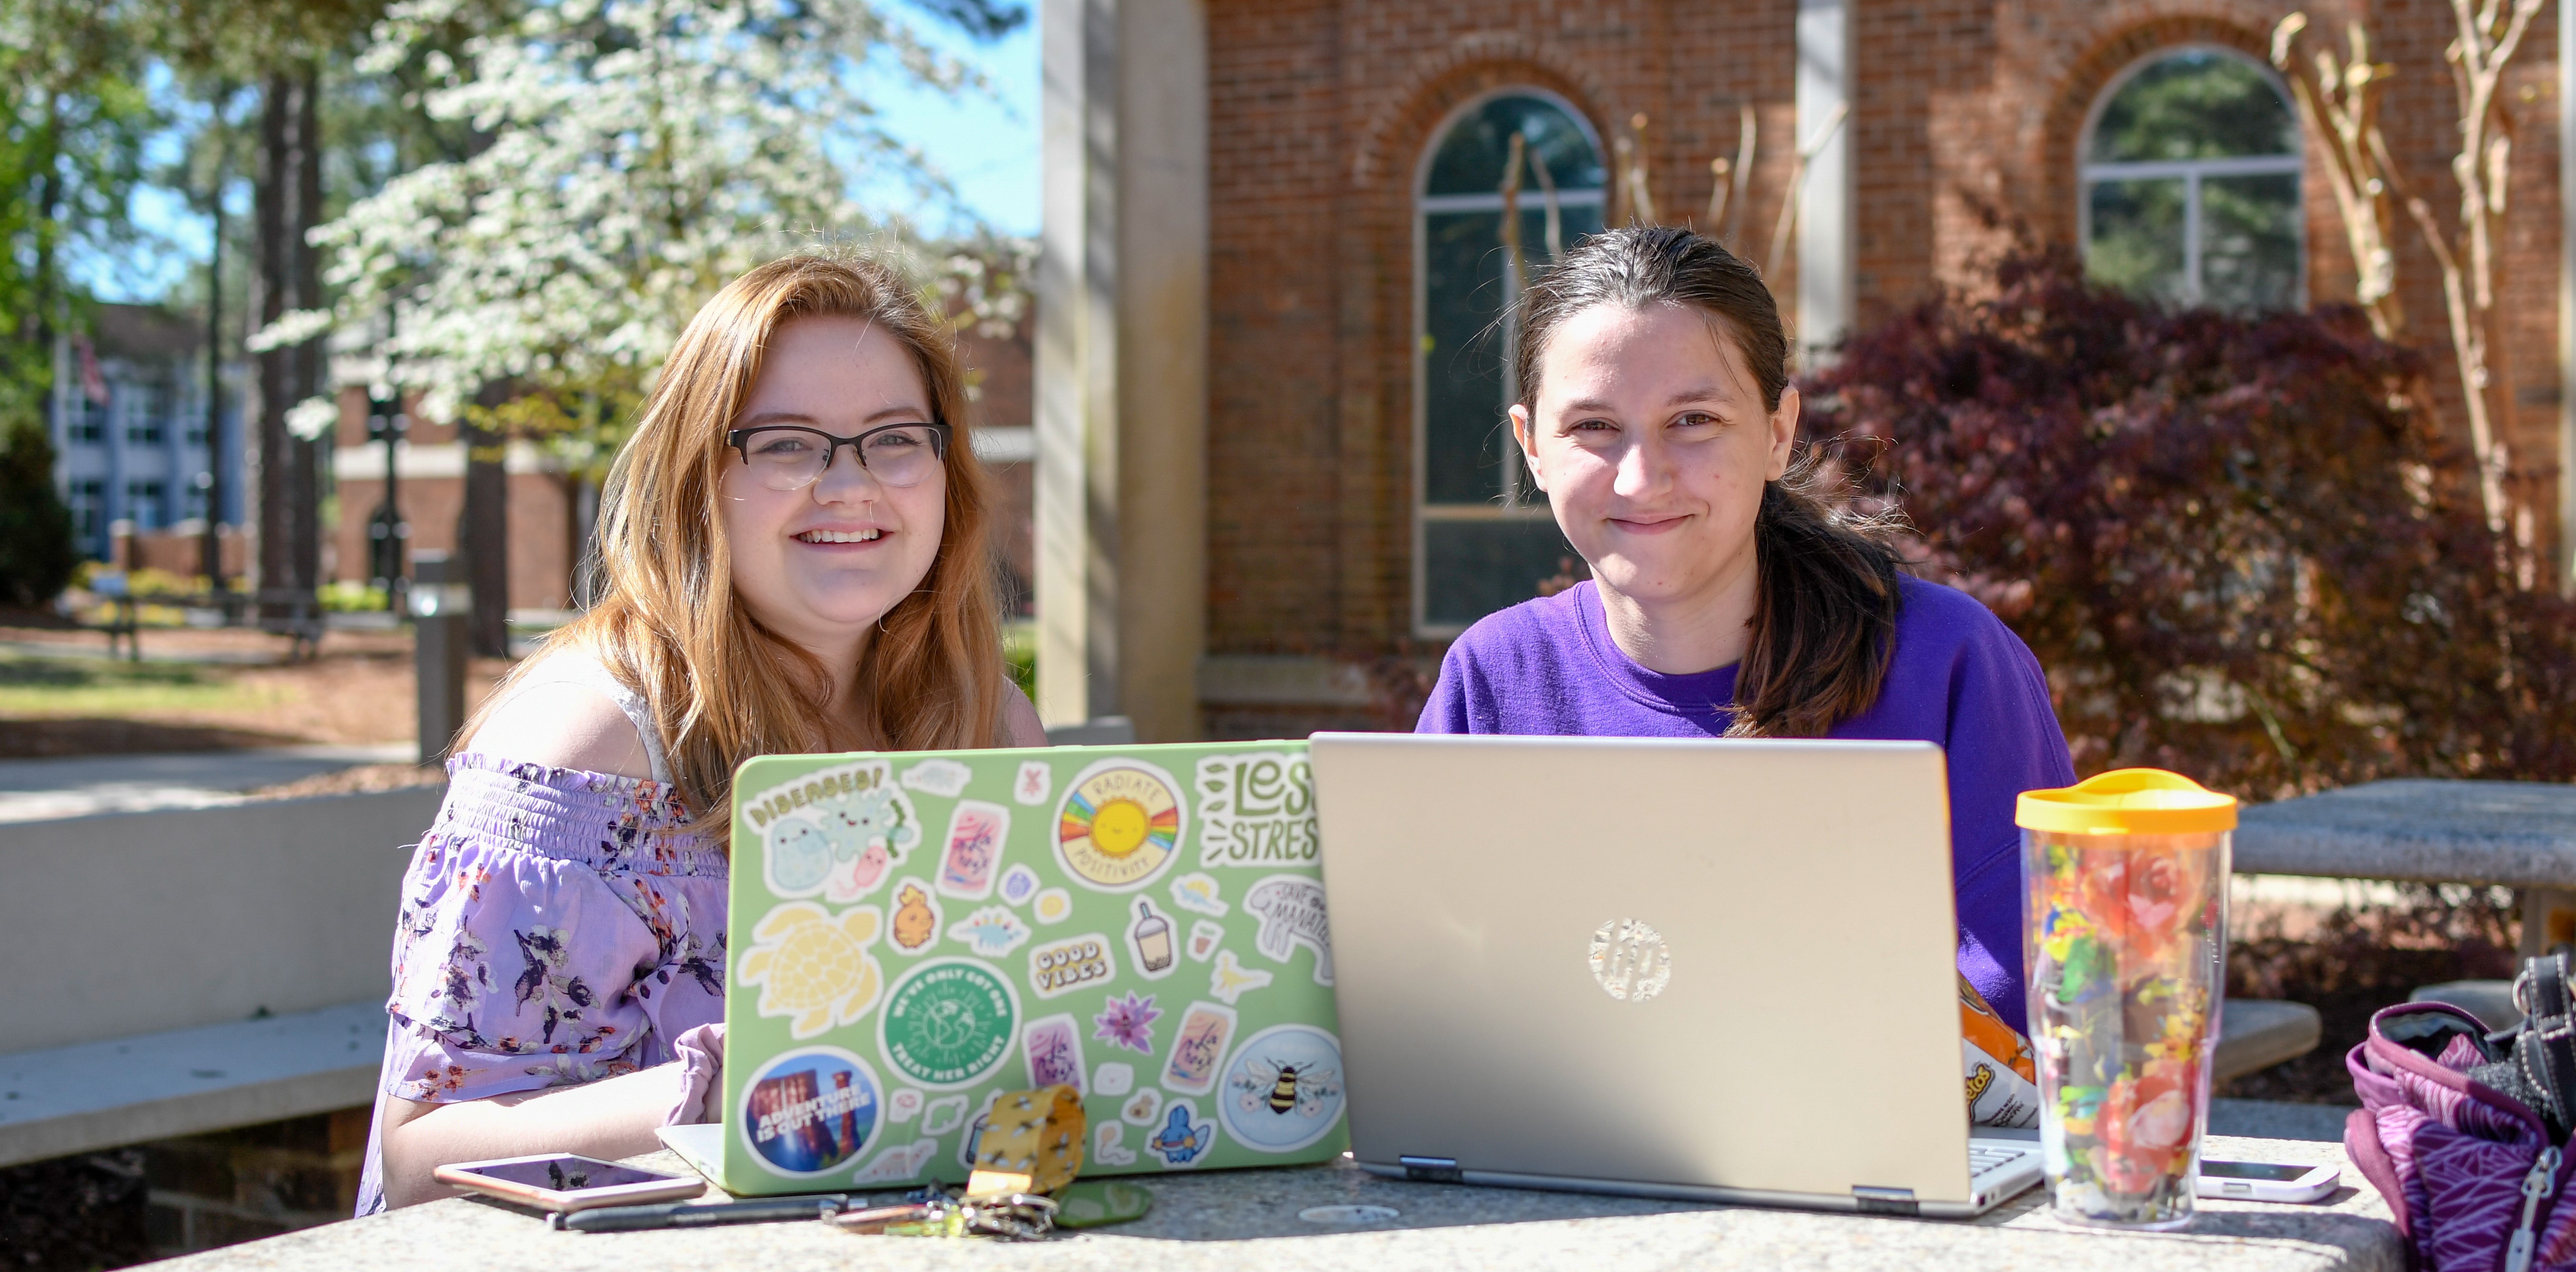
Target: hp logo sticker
{"points": [[1630, 960]]}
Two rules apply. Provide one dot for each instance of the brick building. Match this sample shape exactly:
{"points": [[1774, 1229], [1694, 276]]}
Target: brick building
{"points": [[551, 508], [1272, 473]]}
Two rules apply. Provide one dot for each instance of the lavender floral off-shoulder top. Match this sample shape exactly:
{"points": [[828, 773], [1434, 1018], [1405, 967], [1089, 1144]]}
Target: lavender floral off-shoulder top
{"points": [[557, 926]]}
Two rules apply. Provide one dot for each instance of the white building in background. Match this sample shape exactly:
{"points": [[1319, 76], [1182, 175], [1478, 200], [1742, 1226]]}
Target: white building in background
{"points": [[129, 428]]}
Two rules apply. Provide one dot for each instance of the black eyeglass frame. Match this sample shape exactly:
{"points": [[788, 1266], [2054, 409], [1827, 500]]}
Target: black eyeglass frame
{"points": [[940, 434]]}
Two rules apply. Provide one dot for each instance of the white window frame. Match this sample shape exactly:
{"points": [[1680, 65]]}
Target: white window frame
{"points": [[1507, 505], [2192, 171]]}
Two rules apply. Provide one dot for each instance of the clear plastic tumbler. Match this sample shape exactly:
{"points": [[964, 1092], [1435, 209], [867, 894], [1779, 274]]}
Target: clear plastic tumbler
{"points": [[2127, 874]]}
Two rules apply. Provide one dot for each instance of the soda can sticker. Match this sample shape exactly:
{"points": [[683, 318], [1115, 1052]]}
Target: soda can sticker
{"points": [[949, 1022], [1053, 1045], [1119, 825], [1198, 1048], [811, 1111], [976, 833], [1283, 1090]]}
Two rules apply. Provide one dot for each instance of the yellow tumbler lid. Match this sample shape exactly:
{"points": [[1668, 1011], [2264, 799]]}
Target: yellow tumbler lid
{"points": [[2136, 801]]}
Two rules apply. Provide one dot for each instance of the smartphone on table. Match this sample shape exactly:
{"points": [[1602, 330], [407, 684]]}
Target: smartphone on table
{"points": [[564, 1183], [2267, 1181]]}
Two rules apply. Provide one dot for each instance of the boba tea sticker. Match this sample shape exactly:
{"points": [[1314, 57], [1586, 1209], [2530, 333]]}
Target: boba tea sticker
{"points": [[1119, 825], [1151, 941], [948, 1023], [810, 1111], [1256, 808]]}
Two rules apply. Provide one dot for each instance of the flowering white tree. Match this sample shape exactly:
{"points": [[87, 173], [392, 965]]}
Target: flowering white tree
{"points": [[640, 154]]}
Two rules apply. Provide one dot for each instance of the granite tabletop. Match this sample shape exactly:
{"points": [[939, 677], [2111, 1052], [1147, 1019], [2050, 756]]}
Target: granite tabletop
{"points": [[2521, 834], [1249, 1221]]}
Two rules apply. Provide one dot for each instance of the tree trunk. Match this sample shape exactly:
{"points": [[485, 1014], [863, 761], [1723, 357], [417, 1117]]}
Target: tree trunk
{"points": [[288, 277], [483, 531]]}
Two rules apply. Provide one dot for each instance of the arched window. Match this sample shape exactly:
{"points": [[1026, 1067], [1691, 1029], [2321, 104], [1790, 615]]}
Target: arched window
{"points": [[1483, 536], [2191, 184]]}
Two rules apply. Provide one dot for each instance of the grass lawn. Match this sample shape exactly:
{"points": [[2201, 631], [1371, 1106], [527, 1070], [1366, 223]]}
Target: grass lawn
{"points": [[36, 687]]}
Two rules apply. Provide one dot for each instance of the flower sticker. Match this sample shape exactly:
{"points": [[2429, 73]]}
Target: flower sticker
{"points": [[1128, 1022]]}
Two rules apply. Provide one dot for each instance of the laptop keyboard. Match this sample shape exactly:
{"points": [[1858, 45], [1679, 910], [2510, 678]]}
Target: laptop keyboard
{"points": [[1982, 1159]]}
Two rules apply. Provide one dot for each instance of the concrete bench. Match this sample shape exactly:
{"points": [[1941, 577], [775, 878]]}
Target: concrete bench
{"points": [[94, 1095], [179, 972], [2258, 1033]]}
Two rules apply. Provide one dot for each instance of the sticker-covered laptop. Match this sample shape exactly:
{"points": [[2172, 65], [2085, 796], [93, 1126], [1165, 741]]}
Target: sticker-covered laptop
{"points": [[915, 934]]}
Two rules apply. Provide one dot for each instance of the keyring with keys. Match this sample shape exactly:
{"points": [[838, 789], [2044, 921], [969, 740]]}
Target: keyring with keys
{"points": [[1010, 1216]]}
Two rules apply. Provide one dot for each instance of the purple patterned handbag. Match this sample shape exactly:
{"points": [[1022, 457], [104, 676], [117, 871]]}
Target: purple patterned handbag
{"points": [[2471, 1171]]}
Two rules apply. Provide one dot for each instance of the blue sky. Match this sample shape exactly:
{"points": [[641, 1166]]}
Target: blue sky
{"points": [[986, 145]]}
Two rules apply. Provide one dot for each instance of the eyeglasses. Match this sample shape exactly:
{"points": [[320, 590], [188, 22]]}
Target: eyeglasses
{"points": [[791, 457]]}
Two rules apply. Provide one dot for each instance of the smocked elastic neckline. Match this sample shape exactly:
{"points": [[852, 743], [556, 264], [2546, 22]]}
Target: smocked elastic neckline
{"points": [[576, 815]]}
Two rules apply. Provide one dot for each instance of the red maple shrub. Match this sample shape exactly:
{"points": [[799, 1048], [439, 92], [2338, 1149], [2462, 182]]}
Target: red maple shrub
{"points": [[2239, 548]]}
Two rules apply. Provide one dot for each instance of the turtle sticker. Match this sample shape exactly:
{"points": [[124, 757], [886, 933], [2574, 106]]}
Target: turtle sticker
{"points": [[812, 967], [949, 1022], [1119, 825], [1284, 1089], [811, 1110]]}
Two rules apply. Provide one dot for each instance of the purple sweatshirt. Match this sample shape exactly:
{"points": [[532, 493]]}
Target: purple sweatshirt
{"points": [[1959, 678]]}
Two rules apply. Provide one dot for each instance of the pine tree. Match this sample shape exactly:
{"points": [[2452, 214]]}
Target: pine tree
{"points": [[37, 556]]}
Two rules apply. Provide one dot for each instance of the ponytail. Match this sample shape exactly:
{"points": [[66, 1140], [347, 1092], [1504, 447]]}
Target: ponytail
{"points": [[1824, 613]]}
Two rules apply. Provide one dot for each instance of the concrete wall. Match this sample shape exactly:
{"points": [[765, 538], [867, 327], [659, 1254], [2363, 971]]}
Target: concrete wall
{"points": [[134, 923]]}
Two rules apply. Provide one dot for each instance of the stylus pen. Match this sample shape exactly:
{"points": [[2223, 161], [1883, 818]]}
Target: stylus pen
{"points": [[691, 1215]]}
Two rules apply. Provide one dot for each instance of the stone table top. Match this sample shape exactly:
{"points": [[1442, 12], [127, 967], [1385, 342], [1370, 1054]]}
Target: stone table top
{"points": [[2521, 834], [1247, 1221]]}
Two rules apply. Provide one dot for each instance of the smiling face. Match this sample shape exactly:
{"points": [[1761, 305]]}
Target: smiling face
{"points": [[1651, 440], [822, 564]]}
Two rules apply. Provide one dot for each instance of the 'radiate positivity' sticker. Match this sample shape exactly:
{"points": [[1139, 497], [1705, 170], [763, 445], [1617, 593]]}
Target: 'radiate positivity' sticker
{"points": [[1119, 825]]}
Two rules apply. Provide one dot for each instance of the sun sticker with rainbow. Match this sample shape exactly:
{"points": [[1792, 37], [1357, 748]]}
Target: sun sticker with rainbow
{"points": [[1119, 825]]}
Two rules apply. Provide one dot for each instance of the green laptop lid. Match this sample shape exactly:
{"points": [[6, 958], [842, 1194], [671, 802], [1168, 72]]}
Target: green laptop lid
{"points": [[914, 934]]}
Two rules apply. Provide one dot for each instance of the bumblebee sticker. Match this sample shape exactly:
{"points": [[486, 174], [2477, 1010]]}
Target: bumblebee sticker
{"points": [[1184, 1140], [1198, 1048], [813, 967], [1283, 1090], [948, 1023], [1061, 967], [811, 1110], [1119, 825]]}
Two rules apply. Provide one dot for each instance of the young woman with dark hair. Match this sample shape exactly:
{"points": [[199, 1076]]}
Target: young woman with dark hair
{"points": [[1728, 599]]}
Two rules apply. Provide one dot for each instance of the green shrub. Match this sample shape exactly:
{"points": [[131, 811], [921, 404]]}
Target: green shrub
{"points": [[37, 553], [2237, 547]]}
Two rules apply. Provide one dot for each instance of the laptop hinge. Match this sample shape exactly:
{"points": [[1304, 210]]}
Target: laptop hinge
{"points": [[1884, 1201], [1439, 1170]]}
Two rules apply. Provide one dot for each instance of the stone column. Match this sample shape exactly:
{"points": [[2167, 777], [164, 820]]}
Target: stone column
{"points": [[1824, 202], [1122, 364]]}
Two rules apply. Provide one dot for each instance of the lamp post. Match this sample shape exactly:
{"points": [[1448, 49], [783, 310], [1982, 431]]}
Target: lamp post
{"points": [[387, 423]]}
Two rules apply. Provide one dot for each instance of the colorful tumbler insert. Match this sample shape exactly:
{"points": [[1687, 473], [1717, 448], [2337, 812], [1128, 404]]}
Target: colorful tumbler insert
{"points": [[2127, 874]]}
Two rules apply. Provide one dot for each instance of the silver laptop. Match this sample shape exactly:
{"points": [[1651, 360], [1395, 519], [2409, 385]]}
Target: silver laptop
{"points": [[1713, 970]]}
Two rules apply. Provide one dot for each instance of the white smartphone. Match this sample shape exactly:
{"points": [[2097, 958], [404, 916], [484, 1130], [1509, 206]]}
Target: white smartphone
{"points": [[2267, 1181], [564, 1183]]}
